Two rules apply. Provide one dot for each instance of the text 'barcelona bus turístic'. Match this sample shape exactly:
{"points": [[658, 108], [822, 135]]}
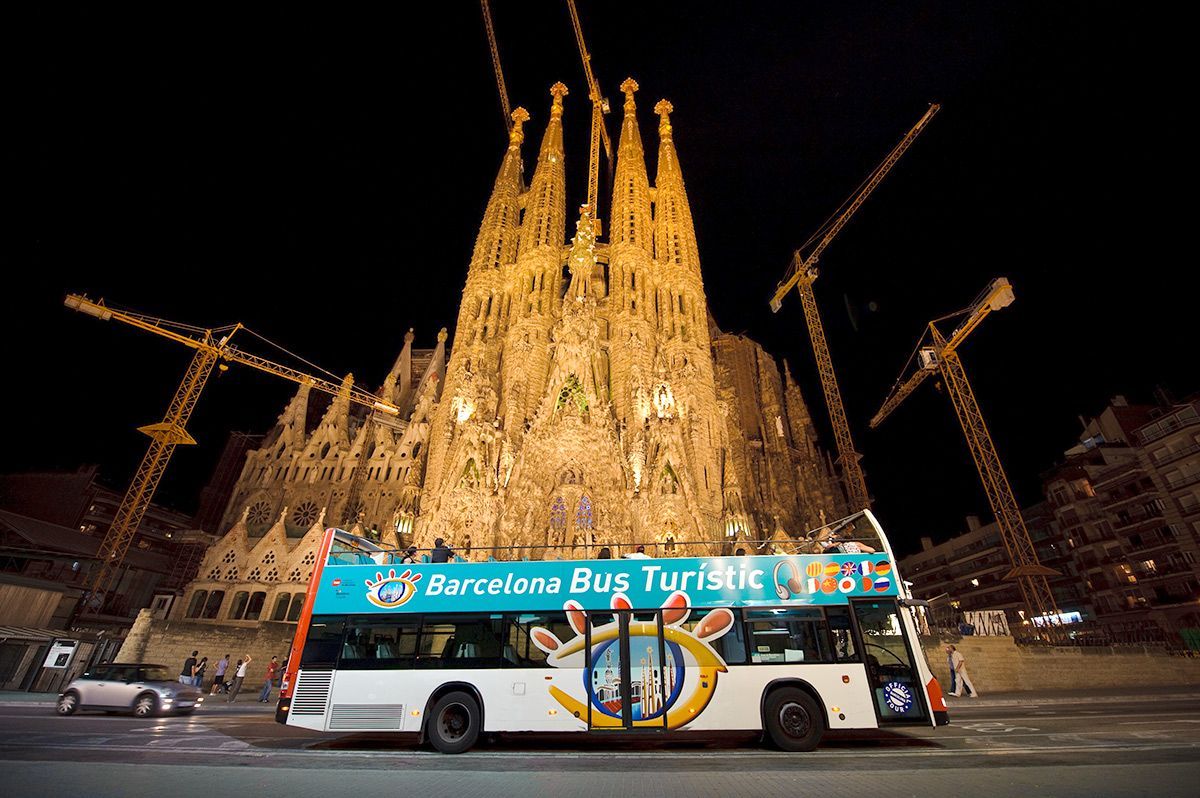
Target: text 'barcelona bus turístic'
{"points": [[790, 645]]}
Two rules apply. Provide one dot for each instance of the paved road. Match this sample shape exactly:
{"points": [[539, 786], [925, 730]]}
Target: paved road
{"points": [[1087, 744]]}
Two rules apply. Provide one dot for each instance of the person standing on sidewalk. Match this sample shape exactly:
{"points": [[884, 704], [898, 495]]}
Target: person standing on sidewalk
{"points": [[958, 664], [238, 677], [201, 666], [222, 666], [188, 672], [272, 670]]}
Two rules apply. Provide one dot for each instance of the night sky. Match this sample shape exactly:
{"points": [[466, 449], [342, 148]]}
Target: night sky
{"points": [[321, 179]]}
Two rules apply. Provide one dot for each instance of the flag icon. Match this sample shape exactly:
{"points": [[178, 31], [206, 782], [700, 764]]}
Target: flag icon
{"points": [[815, 569], [849, 569], [866, 583], [829, 585], [814, 585], [846, 584], [883, 567], [882, 584], [832, 569], [866, 566]]}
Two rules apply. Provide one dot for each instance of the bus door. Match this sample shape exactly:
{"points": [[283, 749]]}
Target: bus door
{"points": [[893, 676], [626, 671]]}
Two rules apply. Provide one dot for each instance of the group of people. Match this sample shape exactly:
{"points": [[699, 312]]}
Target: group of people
{"points": [[439, 553], [228, 678]]}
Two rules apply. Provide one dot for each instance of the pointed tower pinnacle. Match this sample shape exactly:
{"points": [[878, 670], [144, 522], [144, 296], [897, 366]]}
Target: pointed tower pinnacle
{"points": [[631, 220], [496, 244], [545, 214], [674, 233]]}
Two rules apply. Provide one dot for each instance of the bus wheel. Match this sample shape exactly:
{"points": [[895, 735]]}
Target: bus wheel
{"points": [[453, 726], [793, 720]]}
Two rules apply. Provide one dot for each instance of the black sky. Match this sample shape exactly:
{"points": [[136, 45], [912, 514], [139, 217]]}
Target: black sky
{"points": [[321, 178]]}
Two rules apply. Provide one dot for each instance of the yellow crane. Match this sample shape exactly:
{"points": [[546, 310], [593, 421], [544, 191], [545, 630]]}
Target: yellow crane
{"points": [[491, 35], [802, 273], [212, 346], [937, 353], [599, 109]]}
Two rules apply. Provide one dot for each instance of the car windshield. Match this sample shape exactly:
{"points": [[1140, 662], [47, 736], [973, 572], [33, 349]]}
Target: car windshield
{"points": [[156, 674]]}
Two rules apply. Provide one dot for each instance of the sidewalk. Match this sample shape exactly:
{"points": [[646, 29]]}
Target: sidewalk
{"points": [[1096, 695]]}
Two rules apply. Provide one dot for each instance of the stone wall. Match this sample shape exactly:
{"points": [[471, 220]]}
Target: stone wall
{"points": [[169, 643], [998, 665]]}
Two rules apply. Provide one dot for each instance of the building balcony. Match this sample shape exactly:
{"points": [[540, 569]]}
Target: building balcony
{"points": [[1183, 482], [1163, 427], [1170, 456], [1133, 524]]}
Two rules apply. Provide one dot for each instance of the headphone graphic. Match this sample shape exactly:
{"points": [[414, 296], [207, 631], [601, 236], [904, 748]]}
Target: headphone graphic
{"points": [[793, 586]]}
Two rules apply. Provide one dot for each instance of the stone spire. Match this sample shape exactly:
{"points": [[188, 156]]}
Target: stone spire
{"points": [[631, 221], [335, 425], [674, 233], [545, 214], [292, 420], [496, 244]]}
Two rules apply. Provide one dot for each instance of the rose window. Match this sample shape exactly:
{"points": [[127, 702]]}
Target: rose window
{"points": [[306, 514]]}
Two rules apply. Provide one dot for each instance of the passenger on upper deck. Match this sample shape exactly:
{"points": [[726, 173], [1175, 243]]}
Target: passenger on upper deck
{"points": [[441, 552]]}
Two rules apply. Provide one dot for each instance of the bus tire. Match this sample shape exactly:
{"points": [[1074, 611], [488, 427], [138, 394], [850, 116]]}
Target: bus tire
{"points": [[454, 724], [793, 720]]}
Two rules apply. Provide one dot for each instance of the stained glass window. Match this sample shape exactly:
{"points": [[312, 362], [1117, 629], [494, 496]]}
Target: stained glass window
{"points": [[558, 514], [583, 514]]}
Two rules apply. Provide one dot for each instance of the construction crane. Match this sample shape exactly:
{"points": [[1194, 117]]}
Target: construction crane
{"points": [[599, 132], [937, 353], [491, 34], [801, 274], [212, 347]]}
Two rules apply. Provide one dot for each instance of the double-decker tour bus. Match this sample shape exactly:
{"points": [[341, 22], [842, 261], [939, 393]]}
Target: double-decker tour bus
{"points": [[791, 645]]}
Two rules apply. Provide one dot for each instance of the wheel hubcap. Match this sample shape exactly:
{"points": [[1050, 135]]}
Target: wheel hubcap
{"points": [[66, 704], [143, 707], [795, 720], [454, 722]]}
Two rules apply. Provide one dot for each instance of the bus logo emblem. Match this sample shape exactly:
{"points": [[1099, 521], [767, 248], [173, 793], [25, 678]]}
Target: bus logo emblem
{"points": [[391, 591]]}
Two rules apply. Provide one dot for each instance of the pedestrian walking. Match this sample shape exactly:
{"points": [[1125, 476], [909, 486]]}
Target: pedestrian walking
{"points": [[272, 670], [187, 673], [219, 679], [238, 677], [950, 665], [201, 666], [959, 665]]}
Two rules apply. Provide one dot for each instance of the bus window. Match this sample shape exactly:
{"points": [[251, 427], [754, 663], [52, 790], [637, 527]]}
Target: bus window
{"points": [[467, 641], [323, 644], [731, 645], [371, 646], [844, 649], [787, 636], [519, 648]]}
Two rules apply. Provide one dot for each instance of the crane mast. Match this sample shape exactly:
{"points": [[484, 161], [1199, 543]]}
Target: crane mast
{"points": [[491, 35], [172, 430], [599, 109], [802, 273], [940, 355]]}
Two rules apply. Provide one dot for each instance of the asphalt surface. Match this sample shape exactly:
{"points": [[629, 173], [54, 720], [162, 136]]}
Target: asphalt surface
{"points": [[1086, 743]]}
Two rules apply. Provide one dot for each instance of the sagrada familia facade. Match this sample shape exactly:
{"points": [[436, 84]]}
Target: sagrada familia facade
{"points": [[589, 400]]}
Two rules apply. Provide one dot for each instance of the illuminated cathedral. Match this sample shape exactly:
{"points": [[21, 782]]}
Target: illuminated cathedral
{"points": [[587, 399]]}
